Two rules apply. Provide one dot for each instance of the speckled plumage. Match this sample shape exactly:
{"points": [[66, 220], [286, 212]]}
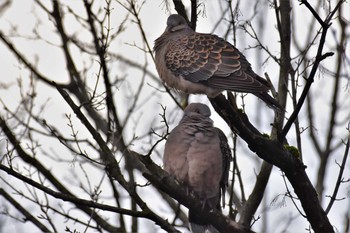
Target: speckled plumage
{"points": [[199, 63], [197, 154]]}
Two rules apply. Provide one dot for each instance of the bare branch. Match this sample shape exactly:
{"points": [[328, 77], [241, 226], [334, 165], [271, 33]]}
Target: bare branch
{"points": [[340, 176], [275, 154], [319, 57], [28, 216]]}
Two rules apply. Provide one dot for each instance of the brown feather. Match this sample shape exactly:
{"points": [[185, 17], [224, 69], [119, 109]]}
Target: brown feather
{"points": [[200, 63]]}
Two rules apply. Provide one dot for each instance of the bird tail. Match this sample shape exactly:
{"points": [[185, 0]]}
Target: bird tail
{"points": [[198, 226], [271, 102]]}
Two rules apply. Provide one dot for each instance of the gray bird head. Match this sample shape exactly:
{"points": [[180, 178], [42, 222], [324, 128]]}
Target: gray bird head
{"points": [[176, 23], [197, 109]]}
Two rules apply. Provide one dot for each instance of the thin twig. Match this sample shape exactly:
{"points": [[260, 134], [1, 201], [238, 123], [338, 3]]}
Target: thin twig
{"points": [[340, 176], [319, 57], [70, 198]]}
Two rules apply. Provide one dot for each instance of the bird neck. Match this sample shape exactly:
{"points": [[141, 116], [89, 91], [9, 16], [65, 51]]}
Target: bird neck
{"points": [[198, 122]]}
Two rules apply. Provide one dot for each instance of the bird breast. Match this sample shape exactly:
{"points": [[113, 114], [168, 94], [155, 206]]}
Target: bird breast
{"points": [[204, 164]]}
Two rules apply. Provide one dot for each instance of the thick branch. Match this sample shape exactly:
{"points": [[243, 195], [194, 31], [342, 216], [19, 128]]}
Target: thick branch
{"points": [[180, 9], [277, 155], [166, 183], [112, 166], [194, 14], [254, 200], [158, 177], [283, 19]]}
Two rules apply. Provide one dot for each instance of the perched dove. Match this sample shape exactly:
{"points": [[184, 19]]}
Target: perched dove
{"points": [[198, 63], [197, 154]]}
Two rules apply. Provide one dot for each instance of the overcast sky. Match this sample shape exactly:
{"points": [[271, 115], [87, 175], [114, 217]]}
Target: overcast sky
{"points": [[24, 17]]}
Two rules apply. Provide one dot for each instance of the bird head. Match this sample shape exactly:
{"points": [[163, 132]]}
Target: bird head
{"points": [[197, 109], [176, 23]]}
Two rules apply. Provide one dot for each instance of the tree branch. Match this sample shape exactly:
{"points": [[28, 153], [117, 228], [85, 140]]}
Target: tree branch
{"points": [[340, 176], [28, 216], [276, 154], [71, 198], [254, 200], [112, 166], [48, 175], [319, 57], [167, 184]]}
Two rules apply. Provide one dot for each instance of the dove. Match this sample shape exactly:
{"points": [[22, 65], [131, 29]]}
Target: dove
{"points": [[198, 155], [199, 63]]}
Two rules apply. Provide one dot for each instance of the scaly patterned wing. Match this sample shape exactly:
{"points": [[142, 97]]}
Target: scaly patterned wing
{"points": [[209, 59]]}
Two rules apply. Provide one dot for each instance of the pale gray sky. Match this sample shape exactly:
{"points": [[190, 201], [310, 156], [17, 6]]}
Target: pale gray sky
{"points": [[50, 61]]}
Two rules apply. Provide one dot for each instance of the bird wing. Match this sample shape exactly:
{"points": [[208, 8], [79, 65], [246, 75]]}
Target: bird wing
{"points": [[211, 60], [226, 161]]}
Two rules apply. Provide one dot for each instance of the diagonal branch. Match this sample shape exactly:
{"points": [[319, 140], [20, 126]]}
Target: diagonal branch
{"points": [[43, 170], [283, 18], [312, 10], [254, 200], [274, 153], [101, 52], [159, 178], [71, 198], [112, 166], [25, 61], [319, 57], [28, 216], [340, 176]]}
